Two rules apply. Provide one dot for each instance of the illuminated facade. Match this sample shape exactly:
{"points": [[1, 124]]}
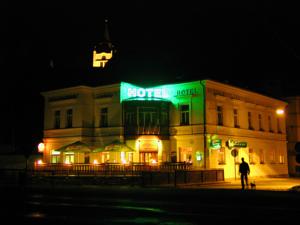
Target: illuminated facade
{"points": [[202, 122]]}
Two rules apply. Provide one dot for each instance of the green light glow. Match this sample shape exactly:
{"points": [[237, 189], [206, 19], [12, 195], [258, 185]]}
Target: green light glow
{"points": [[170, 92], [216, 144]]}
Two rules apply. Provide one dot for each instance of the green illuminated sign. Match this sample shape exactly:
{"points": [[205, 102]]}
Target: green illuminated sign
{"points": [[170, 92], [198, 156], [147, 92], [216, 143], [231, 143]]}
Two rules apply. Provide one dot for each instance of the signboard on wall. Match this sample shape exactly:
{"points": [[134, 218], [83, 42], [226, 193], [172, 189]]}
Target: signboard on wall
{"points": [[216, 143], [236, 144], [234, 152], [169, 92], [148, 146]]}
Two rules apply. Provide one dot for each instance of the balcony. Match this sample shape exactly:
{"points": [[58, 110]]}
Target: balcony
{"points": [[146, 130]]}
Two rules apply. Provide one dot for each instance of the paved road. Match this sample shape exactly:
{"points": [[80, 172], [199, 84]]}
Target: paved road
{"points": [[265, 184], [136, 205]]}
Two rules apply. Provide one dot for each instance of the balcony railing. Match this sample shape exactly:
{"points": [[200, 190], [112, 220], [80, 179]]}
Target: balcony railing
{"points": [[144, 130]]}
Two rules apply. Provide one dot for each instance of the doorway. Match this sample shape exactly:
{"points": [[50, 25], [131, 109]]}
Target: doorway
{"points": [[148, 157]]}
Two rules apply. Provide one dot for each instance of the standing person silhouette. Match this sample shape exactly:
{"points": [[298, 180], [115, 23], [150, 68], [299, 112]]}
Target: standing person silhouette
{"points": [[244, 171]]}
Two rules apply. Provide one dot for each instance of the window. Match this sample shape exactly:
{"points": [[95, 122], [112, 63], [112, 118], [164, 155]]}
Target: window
{"points": [[147, 116], [250, 127], [69, 120], [270, 124], [164, 118], [129, 118], [261, 156], [69, 157], [130, 156], [55, 157], [272, 156], [104, 117], [220, 115], [251, 156], [221, 156], [185, 154], [57, 119], [105, 157], [260, 122], [278, 126], [236, 118], [184, 115], [281, 156]]}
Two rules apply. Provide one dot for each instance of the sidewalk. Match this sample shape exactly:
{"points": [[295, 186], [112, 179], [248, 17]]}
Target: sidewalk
{"points": [[271, 184]]}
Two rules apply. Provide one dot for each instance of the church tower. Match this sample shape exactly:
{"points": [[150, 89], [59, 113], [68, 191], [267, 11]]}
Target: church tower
{"points": [[103, 51]]}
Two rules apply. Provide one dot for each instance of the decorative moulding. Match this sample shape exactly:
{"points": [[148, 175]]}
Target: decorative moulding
{"points": [[220, 97]]}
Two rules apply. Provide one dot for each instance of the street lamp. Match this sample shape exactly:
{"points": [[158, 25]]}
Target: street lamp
{"points": [[41, 147], [280, 111]]}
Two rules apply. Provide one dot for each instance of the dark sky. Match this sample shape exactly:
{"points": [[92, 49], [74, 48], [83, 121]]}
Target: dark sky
{"points": [[251, 44]]}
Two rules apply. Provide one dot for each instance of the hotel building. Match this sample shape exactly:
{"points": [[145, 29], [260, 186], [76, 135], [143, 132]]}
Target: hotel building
{"points": [[205, 123]]}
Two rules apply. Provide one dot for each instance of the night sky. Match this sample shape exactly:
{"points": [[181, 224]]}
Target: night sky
{"points": [[49, 46]]}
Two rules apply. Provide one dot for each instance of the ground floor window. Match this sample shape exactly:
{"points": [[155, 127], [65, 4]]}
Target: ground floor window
{"points": [[55, 157], [261, 156], [281, 156], [69, 157], [130, 156], [185, 155], [251, 156], [173, 157], [272, 156], [105, 157]]}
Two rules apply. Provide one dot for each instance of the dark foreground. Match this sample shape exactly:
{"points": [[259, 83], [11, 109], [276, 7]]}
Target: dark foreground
{"points": [[137, 205]]}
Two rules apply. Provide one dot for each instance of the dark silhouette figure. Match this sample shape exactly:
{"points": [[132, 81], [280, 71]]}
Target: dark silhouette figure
{"points": [[244, 171]]}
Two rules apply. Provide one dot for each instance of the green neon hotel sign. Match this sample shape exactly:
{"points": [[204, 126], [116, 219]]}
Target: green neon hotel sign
{"points": [[169, 92], [148, 92]]}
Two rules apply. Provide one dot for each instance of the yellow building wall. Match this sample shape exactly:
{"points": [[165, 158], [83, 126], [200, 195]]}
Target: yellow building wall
{"points": [[88, 102], [269, 140]]}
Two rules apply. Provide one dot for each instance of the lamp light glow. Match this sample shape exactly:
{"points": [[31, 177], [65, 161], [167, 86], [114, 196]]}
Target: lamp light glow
{"points": [[41, 147], [279, 111]]}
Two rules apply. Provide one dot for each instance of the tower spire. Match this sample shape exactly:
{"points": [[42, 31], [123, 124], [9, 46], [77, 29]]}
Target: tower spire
{"points": [[106, 33], [103, 51]]}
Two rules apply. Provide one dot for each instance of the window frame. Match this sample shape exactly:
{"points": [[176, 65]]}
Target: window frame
{"points": [[184, 115]]}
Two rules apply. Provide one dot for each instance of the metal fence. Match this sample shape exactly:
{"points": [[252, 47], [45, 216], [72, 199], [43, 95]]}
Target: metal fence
{"points": [[110, 169], [140, 174]]}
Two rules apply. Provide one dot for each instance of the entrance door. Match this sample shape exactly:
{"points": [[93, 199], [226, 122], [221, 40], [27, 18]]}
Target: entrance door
{"points": [[148, 157]]}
